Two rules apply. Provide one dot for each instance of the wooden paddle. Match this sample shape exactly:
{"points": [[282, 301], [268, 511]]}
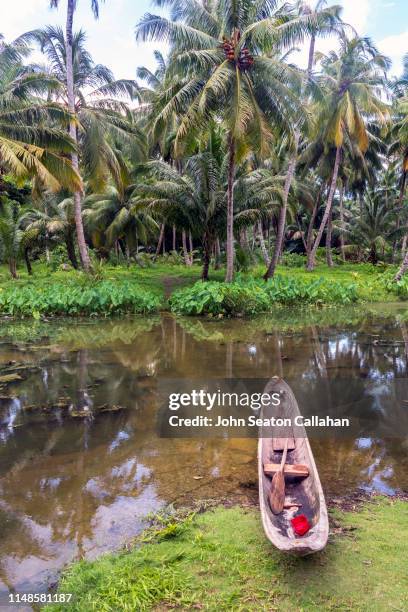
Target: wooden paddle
{"points": [[277, 492]]}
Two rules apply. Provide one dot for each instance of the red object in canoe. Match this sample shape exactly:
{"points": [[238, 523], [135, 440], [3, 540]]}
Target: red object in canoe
{"points": [[300, 524]]}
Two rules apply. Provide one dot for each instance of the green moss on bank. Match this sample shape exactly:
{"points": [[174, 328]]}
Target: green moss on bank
{"points": [[220, 560]]}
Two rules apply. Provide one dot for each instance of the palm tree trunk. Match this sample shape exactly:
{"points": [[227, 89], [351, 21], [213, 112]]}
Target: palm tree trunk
{"points": [[309, 237], [243, 239], [217, 254], [159, 244], [403, 185], [47, 236], [403, 268], [185, 251], [404, 265], [329, 258], [206, 257], [282, 216], [83, 250], [308, 243], [27, 261], [373, 253], [230, 210], [174, 237], [311, 56], [400, 201], [69, 243], [311, 260], [127, 251], [47, 250], [13, 267], [122, 245], [190, 244], [262, 244], [301, 232], [341, 203]]}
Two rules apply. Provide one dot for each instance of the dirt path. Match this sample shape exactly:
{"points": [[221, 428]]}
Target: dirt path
{"points": [[171, 283]]}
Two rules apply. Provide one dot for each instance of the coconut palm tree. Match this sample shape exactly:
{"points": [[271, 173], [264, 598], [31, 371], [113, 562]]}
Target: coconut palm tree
{"points": [[70, 89], [13, 217], [323, 21], [160, 145], [104, 120], [99, 115], [404, 138], [399, 129], [71, 5], [225, 61], [399, 146], [350, 93], [373, 227], [55, 220], [33, 141], [61, 224], [192, 201], [118, 216]]}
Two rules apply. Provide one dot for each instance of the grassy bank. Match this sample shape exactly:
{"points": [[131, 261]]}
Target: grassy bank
{"points": [[220, 560], [120, 290]]}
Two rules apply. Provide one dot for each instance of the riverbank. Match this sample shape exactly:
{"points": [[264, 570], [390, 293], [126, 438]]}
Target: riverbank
{"points": [[115, 290], [220, 560]]}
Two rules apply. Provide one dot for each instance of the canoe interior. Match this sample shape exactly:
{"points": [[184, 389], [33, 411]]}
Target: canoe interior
{"points": [[307, 491], [300, 491]]}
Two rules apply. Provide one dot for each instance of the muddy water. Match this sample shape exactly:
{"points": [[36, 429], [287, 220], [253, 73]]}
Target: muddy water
{"points": [[81, 463]]}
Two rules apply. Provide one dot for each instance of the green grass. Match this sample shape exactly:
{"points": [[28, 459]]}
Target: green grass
{"points": [[220, 560], [152, 277]]}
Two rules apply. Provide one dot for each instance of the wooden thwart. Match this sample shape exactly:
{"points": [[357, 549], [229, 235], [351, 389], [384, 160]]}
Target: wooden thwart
{"points": [[278, 444], [298, 470]]}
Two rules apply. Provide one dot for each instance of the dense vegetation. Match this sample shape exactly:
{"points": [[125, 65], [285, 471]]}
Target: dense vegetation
{"points": [[74, 299], [249, 298], [229, 154], [199, 562]]}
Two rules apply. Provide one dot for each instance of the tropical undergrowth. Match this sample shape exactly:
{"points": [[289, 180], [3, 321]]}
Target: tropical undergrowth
{"points": [[103, 298], [398, 288], [251, 297]]}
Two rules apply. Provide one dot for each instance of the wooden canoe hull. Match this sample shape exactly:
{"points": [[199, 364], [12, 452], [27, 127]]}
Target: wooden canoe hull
{"points": [[306, 492]]}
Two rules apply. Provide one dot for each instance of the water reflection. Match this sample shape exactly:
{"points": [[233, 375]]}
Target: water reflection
{"points": [[80, 460]]}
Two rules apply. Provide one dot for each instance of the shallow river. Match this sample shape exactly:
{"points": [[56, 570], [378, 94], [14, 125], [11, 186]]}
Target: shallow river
{"points": [[81, 462]]}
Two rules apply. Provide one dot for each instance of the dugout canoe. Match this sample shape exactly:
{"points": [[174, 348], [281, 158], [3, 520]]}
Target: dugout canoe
{"points": [[305, 491]]}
